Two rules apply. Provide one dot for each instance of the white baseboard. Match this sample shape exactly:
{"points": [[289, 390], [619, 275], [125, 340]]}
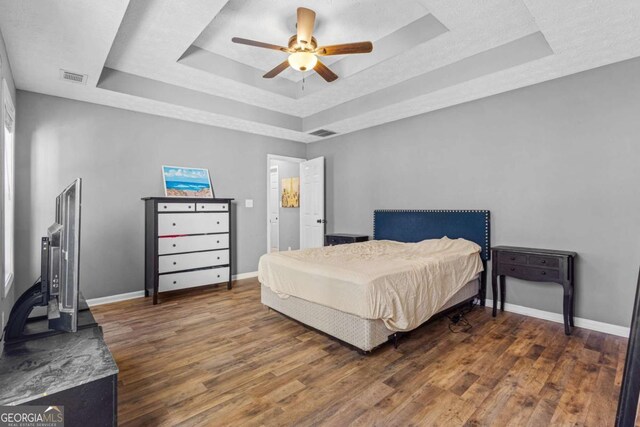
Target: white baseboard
{"points": [[593, 325], [114, 298], [138, 294], [248, 275]]}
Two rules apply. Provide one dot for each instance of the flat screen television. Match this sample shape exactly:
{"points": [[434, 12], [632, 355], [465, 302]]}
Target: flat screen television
{"points": [[58, 288]]}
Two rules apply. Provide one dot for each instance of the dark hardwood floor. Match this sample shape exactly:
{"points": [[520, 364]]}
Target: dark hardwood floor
{"points": [[217, 357]]}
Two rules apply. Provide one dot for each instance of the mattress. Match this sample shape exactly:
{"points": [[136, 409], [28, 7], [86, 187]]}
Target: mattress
{"points": [[365, 334], [401, 284]]}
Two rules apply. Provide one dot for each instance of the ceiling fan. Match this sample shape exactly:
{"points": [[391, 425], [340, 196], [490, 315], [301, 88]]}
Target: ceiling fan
{"points": [[303, 49]]}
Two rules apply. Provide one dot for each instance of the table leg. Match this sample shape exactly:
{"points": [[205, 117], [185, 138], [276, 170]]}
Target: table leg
{"points": [[566, 312], [503, 292], [571, 306], [494, 289]]}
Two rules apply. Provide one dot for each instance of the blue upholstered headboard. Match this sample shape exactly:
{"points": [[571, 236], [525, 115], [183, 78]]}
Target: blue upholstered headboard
{"points": [[417, 225]]}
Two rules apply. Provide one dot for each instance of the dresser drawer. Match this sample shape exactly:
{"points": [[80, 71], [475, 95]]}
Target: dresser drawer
{"points": [[544, 261], [529, 273], [174, 245], [212, 207], [195, 223], [170, 282], [176, 207], [167, 263], [513, 258]]}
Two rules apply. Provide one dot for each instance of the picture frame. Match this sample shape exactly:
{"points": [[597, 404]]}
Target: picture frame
{"points": [[181, 182]]}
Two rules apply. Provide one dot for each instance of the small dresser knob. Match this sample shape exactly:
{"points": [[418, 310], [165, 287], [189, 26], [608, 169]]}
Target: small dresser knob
{"points": [[174, 263], [189, 206], [544, 261], [513, 258], [218, 257], [218, 275], [165, 206], [217, 241], [174, 224], [544, 273], [174, 282], [217, 222], [174, 245]]}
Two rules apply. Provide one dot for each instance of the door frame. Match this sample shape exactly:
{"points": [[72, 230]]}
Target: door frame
{"points": [[268, 204]]}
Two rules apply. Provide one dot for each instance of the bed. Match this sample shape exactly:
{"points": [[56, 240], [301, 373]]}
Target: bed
{"points": [[364, 294]]}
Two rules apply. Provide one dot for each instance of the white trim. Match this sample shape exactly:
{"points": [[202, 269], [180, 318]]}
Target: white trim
{"points": [[285, 158], [114, 298], [593, 325], [248, 275], [139, 294]]}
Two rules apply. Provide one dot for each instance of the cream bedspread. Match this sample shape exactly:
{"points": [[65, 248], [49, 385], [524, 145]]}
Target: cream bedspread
{"points": [[403, 284]]}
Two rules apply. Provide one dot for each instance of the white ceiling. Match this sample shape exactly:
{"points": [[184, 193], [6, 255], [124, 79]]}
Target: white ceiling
{"points": [[174, 58]]}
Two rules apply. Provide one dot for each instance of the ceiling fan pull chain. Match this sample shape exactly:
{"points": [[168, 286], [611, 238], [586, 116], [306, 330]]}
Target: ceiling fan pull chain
{"points": [[303, 77]]}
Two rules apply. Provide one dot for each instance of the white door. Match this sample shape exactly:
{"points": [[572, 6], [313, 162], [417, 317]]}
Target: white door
{"points": [[312, 219], [274, 210]]}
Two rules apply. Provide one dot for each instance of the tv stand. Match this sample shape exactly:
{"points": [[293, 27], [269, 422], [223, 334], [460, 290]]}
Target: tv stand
{"points": [[20, 327]]}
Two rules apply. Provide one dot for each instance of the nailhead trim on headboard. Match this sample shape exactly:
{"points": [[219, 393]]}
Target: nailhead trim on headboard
{"points": [[486, 221]]}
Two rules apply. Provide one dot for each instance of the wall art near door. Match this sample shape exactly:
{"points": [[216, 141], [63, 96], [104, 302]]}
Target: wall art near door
{"points": [[186, 182], [291, 192]]}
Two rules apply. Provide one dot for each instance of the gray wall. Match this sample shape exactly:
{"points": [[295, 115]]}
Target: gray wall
{"points": [[5, 73], [118, 153], [289, 217], [556, 163]]}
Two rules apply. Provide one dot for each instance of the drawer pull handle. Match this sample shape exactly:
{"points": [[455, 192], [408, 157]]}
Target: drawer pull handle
{"points": [[217, 241], [174, 282], [174, 263], [217, 222], [218, 275], [544, 273], [174, 224], [218, 257], [165, 206], [174, 245], [544, 261], [513, 258], [189, 206]]}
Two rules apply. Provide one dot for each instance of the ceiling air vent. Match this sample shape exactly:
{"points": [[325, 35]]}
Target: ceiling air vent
{"points": [[73, 77], [322, 133]]}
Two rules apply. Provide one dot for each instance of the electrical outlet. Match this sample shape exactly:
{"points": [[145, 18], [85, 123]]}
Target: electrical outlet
{"points": [[248, 203]]}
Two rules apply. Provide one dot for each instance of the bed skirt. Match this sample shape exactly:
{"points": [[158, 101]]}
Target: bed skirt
{"points": [[365, 334]]}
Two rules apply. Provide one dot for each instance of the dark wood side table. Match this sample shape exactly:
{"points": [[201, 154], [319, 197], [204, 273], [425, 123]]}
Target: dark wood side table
{"points": [[342, 239], [539, 265]]}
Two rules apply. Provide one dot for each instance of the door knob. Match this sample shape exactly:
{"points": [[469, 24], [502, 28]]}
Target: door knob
{"points": [[321, 221]]}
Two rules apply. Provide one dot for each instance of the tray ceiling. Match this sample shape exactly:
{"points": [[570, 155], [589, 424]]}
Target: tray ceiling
{"points": [[176, 59]]}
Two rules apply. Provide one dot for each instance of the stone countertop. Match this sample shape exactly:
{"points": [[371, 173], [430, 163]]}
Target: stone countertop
{"points": [[40, 367]]}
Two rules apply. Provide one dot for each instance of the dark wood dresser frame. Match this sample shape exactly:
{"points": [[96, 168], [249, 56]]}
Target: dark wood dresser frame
{"points": [[151, 239], [539, 265], [630, 391]]}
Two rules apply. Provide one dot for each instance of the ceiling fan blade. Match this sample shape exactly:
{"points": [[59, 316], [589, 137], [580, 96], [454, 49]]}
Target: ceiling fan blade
{"points": [[280, 68], [325, 72], [306, 22], [345, 49], [259, 44]]}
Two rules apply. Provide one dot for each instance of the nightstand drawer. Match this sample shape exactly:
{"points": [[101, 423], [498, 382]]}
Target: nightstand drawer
{"points": [[544, 261], [529, 273], [513, 258]]}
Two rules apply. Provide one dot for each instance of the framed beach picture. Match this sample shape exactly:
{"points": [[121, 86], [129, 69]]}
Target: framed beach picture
{"points": [[186, 182]]}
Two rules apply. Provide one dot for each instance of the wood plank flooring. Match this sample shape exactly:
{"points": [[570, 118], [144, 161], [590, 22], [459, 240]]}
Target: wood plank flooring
{"points": [[217, 357]]}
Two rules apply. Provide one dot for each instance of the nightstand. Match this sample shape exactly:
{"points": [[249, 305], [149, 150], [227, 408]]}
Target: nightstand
{"points": [[539, 265], [342, 239]]}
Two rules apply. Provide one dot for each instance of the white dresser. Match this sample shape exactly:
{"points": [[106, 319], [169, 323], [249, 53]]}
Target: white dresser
{"points": [[187, 243]]}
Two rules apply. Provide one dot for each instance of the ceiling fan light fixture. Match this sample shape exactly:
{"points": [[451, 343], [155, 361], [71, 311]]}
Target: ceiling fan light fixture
{"points": [[302, 61]]}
